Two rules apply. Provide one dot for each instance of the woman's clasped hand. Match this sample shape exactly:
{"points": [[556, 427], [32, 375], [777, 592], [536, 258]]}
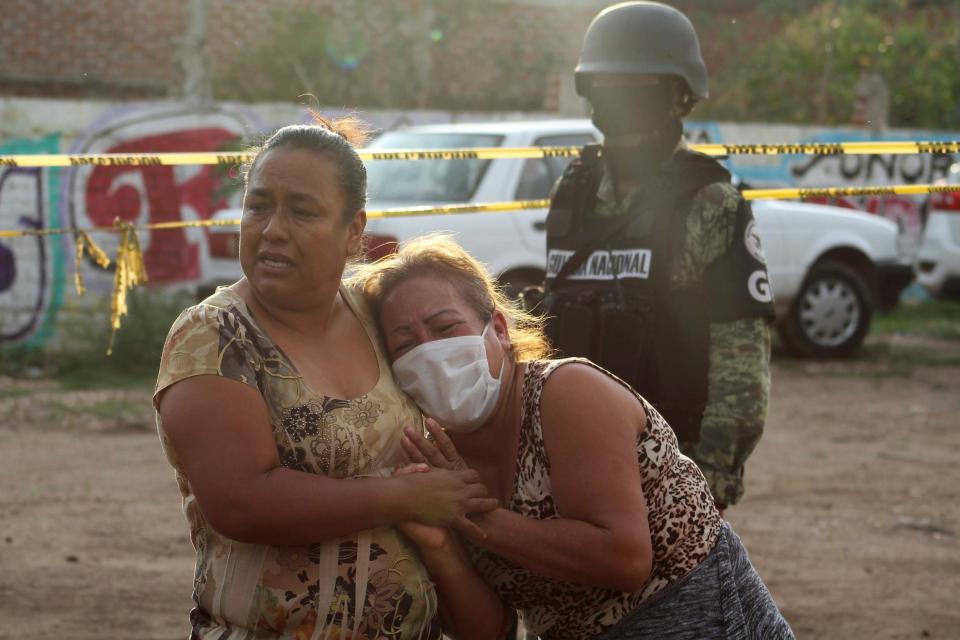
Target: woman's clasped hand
{"points": [[446, 496]]}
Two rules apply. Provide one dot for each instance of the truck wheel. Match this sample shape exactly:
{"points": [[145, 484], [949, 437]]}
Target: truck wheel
{"points": [[831, 314]]}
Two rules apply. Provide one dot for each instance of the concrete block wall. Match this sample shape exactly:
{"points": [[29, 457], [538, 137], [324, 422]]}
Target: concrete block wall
{"points": [[128, 49], [36, 276]]}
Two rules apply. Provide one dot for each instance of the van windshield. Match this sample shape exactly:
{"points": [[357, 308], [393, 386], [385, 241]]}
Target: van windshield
{"points": [[417, 181]]}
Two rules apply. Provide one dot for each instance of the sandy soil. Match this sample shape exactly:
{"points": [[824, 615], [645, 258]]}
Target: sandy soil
{"points": [[852, 512]]}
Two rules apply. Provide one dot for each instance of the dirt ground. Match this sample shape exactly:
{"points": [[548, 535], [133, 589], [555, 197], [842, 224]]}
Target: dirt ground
{"points": [[852, 510]]}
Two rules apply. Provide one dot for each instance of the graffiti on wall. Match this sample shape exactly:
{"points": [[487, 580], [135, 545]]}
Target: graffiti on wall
{"points": [[31, 268], [907, 211], [97, 195], [33, 271], [837, 170]]}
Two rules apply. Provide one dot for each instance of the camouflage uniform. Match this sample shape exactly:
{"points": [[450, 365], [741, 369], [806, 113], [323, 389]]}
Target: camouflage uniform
{"points": [[739, 374]]}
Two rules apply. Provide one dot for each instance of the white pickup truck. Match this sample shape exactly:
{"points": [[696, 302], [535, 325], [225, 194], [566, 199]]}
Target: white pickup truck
{"points": [[829, 267]]}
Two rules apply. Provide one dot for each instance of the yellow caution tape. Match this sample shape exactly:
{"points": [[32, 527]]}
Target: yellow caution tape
{"points": [[205, 158], [485, 207], [448, 209], [478, 153], [474, 153], [85, 245], [130, 270], [180, 224], [829, 148], [836, 192], [129, 273], [122, 159], [748, 194]]}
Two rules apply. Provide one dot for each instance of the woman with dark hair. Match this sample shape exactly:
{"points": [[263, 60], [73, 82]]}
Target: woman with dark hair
{"points": [[277, 410], [606, 530]]}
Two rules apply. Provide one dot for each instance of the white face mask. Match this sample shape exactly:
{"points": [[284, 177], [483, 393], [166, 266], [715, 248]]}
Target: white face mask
{"points": [[450, 379]]}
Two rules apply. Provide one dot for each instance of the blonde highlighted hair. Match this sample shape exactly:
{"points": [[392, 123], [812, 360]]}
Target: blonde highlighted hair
{"points": [[438, 255]]}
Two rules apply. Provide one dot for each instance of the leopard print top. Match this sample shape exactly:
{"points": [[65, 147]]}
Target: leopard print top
{"points": [[684, 524]]}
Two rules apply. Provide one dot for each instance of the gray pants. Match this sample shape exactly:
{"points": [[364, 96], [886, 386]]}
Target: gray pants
{"points": [[722, 599]]}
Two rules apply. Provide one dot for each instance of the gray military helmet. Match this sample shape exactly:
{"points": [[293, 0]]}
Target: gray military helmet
{"points": [[642, 37]]}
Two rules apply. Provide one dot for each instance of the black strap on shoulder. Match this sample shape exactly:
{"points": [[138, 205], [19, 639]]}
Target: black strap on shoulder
{"points": [[579, 176], [695, 169], [589, 159], [586, 250], [590, 154], [574, 190], [578, 190], [690, 170]]}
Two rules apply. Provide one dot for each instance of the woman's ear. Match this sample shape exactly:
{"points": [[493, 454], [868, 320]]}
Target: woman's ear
{"points": [[501, 329], [355, 233]]}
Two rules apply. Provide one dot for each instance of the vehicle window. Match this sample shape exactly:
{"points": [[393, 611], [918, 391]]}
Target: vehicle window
{"points": [[540, 174], [423, 181]]}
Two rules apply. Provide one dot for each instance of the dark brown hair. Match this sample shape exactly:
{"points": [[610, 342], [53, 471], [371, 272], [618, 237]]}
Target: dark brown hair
{"points": [[335, 139]]}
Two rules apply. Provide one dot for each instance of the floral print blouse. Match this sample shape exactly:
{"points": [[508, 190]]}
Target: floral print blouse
{"points": [[367, 586]]}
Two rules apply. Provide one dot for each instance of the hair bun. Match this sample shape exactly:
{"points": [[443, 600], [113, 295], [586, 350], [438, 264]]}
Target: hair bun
{"points": [[350, 128]]}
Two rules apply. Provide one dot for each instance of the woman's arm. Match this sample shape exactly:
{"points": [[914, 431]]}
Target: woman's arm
{"points": [[468, 607], [221, 435], [590, 429]]}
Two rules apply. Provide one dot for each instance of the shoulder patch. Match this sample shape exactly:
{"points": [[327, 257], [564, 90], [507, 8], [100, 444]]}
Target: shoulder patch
{"points": [[751, 238]]}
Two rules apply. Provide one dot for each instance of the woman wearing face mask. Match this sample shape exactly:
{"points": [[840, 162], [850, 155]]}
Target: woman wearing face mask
{"points": [[277, 410], [606, 530]]}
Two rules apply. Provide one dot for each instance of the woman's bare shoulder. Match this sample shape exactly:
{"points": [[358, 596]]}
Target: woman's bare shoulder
{"points": [[576, 391]]}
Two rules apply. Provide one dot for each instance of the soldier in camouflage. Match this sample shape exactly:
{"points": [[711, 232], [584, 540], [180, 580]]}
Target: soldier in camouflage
{"points": [[739, 372], [654, 266]]}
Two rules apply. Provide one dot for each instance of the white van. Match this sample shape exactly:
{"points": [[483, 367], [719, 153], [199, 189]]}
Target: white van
{"points": [[829, 267]]}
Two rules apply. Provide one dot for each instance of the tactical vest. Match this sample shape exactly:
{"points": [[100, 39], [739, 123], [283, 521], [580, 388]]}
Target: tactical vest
{"points": [[616, 306]]}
